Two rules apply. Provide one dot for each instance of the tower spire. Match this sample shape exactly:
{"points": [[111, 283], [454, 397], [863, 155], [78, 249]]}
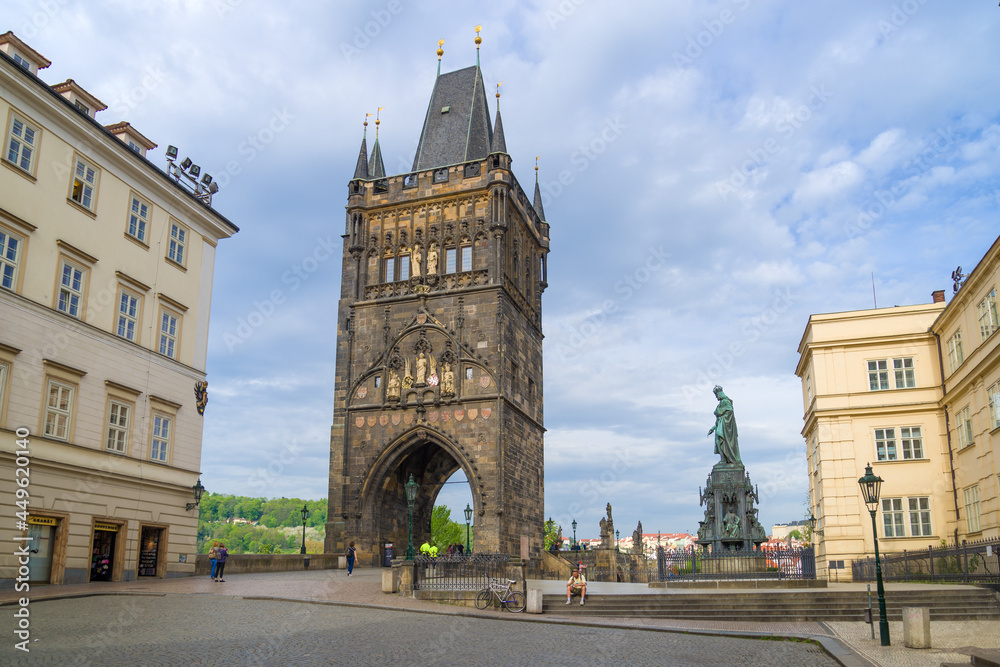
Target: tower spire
{"points": [[376, 168], [499, 143], [538, 194], [479, 40], [361, 170]]}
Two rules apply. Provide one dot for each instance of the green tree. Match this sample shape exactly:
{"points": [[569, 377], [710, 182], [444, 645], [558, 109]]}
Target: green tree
{"points": [[552, 534], [444, 531]]}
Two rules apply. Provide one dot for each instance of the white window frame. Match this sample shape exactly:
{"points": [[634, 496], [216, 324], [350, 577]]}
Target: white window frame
{"points": [[956, 355], [972, 509], [989, 319], [911, 443], [11, 251], [118, 423], [809, 389], [84, 183], [4, 374], [885, 444], [15, 141], [993, 395], [963, 427], [892, 518], [129, 318], [70, 296], [178, 243], [919, 514], [904, 374], [137, 223], [58, 418], [168, 342], [878, 375], [161, 436]]}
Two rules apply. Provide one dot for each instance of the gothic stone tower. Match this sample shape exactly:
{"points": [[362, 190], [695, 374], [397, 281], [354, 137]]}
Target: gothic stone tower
{"points": [[439, 336]]}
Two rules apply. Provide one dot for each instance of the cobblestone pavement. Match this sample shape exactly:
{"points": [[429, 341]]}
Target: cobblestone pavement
{"points": [[950, 641], [140, 630]]}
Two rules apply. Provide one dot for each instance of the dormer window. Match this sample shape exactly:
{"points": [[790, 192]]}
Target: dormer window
{"points": [[131, 137], [22, 54], [21, 61], [79, 98], [82, 107]]}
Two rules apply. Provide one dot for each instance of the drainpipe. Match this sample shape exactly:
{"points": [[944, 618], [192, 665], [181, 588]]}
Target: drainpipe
{"points": [[947, 430]]}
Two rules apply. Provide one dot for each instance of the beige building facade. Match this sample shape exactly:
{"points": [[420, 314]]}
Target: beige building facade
{"points": [[106, 267], [915, 392]]}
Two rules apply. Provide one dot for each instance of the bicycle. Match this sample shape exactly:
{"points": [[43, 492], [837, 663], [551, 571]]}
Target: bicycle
{"points": [[509, 599]]}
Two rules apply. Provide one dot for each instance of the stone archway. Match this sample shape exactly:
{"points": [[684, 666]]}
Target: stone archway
{"points": [[431, 458]]}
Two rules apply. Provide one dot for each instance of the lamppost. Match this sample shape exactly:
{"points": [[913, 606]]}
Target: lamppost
{"points": [[574, 532], [618, 534], [870, 486], [468, 520], [411, 497], [198, 491], [305, 513]]}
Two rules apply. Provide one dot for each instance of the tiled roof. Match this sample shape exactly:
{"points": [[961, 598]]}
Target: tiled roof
{"points": [[457, 126]]}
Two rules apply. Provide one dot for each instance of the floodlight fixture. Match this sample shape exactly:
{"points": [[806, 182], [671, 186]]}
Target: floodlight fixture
{"points": [[186, 163], [206, 179], [195, 170], [171, 152], [213, 188]]}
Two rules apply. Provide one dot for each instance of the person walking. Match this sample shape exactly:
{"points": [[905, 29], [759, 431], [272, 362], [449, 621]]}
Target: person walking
{"points": [[223, 554], [213, 557], [351, 554]]}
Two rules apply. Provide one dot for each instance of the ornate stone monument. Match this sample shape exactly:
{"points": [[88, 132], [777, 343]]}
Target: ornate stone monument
{"points": [[730, 523]]}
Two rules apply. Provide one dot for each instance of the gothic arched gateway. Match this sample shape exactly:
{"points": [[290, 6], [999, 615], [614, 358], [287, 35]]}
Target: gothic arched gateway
{"points": [[439, 339]]}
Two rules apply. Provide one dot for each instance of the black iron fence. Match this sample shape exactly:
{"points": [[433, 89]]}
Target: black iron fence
{"points": [[697, 564], [969, 562], [461, 572]]}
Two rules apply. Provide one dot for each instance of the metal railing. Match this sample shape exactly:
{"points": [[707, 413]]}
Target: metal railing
{"points": [[461, 572], [696, 564], [970, 562]]}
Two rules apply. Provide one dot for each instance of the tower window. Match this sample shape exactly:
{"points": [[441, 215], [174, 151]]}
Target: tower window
{"points": [[467, 258], [450, 257]]}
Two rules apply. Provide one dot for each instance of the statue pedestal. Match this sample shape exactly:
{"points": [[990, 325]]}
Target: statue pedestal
{"points": [[730, 523], [736, 565]]}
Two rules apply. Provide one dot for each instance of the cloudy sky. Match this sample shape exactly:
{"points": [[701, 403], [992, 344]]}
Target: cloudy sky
{"points": [[714, 172]]}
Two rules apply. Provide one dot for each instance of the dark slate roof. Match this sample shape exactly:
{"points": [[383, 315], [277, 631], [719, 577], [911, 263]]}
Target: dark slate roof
{"points": [[538, 201], [498, 145], [361, 171], [376, 169], [463, 133]]}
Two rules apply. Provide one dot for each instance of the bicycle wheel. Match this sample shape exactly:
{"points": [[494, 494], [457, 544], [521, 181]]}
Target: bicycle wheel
{"points": [[515, 602], [483, 599]]}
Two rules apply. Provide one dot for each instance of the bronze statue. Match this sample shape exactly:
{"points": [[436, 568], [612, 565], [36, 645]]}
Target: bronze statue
{"points": [[726, 437]]}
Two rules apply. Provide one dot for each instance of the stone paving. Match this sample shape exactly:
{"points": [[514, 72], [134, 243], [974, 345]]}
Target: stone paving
{"points": [[128, 631], [152, 609]]}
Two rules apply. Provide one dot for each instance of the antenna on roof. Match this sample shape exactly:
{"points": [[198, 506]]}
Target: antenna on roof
{"points": [[958, 277], [440, 53]]}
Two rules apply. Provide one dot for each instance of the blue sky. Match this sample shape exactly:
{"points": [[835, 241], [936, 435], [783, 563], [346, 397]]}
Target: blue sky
{"points": [[714, 172]]}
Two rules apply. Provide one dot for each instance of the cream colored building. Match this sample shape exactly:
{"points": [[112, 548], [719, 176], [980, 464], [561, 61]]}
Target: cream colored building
{"points": [[106, 268], [915, 391]]}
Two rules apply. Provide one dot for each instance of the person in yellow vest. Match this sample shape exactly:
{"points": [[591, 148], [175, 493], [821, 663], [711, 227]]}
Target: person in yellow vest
{"points": [[425, 549], [434, 551]]}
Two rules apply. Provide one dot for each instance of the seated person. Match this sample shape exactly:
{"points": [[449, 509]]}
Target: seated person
{"points": [[577, 585]]}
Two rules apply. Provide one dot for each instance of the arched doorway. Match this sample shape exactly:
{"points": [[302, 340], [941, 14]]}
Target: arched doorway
{"points": [[431, 458]]}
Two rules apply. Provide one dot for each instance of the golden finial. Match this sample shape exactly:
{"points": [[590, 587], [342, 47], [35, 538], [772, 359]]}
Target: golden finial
{"points": [[377, 121], [366, 121], [537, 157], [479, 40], [498, 92], [440, 50]]}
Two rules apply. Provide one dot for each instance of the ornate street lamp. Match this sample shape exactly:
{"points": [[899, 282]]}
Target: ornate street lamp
{"points": [[411, 497], [574, 532], [305, 513], [468, 520], [618, 535], [198, 491], [870, 486]]}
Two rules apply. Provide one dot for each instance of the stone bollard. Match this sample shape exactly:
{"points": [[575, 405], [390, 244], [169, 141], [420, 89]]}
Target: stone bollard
{"points": [[341, 562], [388, 580], [916, 627], [534, 601]]}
